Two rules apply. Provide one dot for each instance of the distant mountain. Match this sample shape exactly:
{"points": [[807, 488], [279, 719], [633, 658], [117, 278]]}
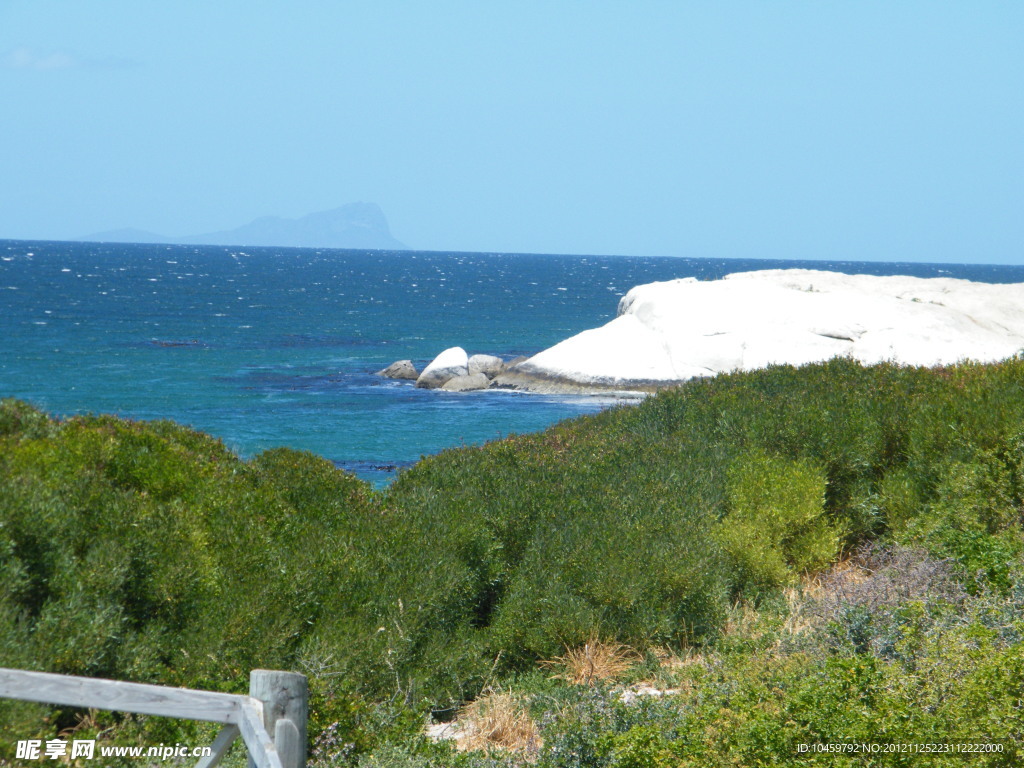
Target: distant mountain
{"points": [[356, 225]]}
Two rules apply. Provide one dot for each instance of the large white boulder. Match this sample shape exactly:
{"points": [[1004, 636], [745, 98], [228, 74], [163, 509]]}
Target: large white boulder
{"points": [[671, 331], [451, 363]]}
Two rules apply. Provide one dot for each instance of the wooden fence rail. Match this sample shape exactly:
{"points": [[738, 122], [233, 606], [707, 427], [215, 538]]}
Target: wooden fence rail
{"points": [[277, 705]]}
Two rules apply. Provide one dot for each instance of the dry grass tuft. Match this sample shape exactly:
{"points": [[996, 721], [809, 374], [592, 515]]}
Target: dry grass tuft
{"points": [[851, 569], [670, 660], [498, 721], [595, 660], [743, 620]]}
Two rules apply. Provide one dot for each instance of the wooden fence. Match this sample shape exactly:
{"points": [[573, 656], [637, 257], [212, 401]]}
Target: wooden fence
{"points": [[277, 704]]}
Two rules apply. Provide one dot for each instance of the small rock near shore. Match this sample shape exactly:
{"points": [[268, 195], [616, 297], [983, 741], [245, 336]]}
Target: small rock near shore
{"points": [[467, 383], [400, 369], [489, 365]]}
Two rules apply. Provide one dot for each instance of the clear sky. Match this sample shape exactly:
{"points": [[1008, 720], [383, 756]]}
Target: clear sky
{"points": [[816, 130]]}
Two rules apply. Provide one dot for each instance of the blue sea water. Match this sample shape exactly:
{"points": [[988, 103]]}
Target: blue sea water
{"points": [[265, 347]]}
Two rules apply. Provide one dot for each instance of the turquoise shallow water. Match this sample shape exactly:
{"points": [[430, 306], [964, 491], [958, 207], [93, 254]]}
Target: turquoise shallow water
{"points": [[265, 347]]}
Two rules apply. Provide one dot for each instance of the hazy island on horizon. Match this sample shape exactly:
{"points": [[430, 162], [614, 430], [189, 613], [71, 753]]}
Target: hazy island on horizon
{"points": [[356, 225]]}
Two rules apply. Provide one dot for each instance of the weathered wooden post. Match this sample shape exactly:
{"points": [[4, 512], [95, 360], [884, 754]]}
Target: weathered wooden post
{"points": [[285, 697]]}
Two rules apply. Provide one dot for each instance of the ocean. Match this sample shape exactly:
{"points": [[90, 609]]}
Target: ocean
{"points": [[266, 347]]}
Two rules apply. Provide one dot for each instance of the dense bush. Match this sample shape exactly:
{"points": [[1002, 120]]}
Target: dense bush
{"points": [[149, 552]]}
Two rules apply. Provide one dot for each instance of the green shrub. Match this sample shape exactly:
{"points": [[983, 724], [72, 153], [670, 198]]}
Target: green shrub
{"points": [[776, 525], [150, 553], [642, 746], [18, 418]]}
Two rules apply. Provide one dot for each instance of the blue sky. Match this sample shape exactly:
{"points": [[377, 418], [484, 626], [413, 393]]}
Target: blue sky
{"points": [[815, 130]]}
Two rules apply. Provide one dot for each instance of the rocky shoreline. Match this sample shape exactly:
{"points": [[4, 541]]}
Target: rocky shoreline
{"points": [[453, 371], [666, 333], [448, 373]]}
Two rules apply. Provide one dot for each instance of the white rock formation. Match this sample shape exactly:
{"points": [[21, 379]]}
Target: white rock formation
{"points": [[671, 331], [451, 363]]}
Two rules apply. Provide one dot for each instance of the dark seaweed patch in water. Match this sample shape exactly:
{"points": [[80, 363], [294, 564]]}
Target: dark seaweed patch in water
{"points": [[287, 341], [194, 343], [289, 380], [372, 467]]}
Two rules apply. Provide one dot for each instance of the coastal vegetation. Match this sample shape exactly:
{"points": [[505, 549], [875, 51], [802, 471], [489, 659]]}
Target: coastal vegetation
{"points": [[777, 558]]}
